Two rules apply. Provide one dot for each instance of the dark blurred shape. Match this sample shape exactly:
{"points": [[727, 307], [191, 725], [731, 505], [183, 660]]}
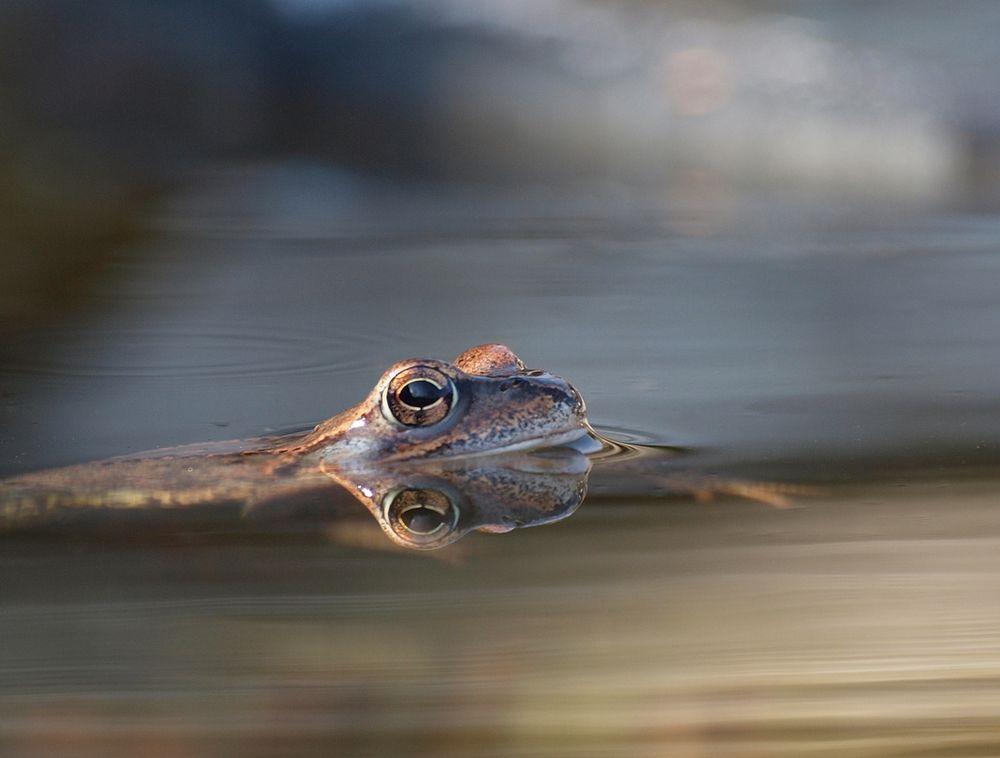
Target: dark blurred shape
{"points": [[107, 104], [153, 86], [143, 83]]}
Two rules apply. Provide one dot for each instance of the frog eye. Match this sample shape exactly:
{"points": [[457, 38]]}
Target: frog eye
{"points": [[420, 517], [419, 396], [421, 514]]}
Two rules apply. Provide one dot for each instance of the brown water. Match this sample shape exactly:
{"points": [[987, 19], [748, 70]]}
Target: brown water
{"points": [[863, 624], [834, 347]]}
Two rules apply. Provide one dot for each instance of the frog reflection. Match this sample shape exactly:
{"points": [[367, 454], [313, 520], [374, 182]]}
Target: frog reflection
{"points": [[429, 507]]}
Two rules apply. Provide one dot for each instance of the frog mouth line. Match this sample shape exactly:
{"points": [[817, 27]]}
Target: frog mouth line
{"points": [[558, 439]]}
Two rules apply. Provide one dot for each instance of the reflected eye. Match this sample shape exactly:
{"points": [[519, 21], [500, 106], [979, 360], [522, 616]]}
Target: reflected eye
{"points": [[419, 396], [423, 520], [420, 516]]}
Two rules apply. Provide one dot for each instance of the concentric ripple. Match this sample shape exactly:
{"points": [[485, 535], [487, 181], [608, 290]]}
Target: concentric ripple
{"points": [[182, 351]]}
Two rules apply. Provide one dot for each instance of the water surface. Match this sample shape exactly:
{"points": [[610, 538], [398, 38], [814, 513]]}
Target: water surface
{"points": [[836, 348]]}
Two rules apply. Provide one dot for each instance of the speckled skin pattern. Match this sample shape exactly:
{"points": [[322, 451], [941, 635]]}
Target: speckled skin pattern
{"points": [[498, 407], [508, 408], [492, 493]]}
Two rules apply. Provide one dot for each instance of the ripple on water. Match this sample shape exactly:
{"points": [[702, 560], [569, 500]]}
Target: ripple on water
{"points": [[631, 443], [624, 436], [194, 351]]}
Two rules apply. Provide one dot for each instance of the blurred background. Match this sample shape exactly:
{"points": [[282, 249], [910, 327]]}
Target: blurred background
{"points": [[764, 230]]}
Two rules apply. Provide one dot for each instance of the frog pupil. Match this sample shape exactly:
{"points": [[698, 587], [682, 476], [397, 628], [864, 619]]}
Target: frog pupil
{"points": [[422, 520], [421, 393]]}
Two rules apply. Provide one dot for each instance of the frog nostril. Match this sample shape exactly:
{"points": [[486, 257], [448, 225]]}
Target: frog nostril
{"points": [[511, 384]]}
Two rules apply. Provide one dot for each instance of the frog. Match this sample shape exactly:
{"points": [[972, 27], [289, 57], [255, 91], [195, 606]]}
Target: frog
{"points": [[436, 450], [471, 425], [486, 402]]}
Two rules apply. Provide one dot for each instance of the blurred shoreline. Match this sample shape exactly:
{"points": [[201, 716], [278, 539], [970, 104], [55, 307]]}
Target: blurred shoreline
{"points": [[111, 107]]}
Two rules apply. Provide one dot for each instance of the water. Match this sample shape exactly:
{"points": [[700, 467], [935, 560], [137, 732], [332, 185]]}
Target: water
{"points": [[761, 238], [851, 350], [861, 625], [819, 335]]}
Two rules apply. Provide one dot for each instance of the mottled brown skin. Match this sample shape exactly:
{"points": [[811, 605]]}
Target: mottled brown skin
{"points": [[490, 360], [496, 407], [508, 408], [494, 493]]}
